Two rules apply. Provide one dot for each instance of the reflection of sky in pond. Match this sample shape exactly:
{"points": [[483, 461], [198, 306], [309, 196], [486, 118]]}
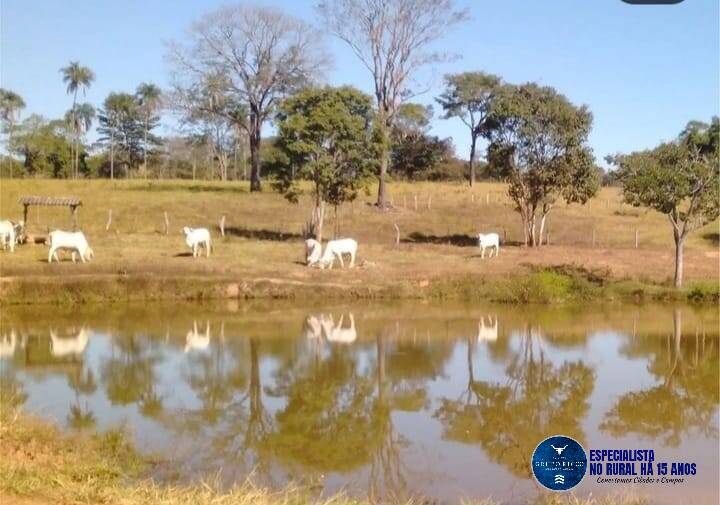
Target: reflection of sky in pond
{"points": [[437, 400]]}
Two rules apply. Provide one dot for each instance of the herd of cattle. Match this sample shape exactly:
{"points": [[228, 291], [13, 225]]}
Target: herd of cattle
{"points": [[76, 243]]}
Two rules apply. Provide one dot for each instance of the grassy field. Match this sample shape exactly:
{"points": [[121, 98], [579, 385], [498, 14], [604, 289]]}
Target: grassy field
{"points": [[41, 466], [262, 252]]}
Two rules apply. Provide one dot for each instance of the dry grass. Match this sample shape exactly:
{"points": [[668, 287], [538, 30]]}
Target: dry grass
{"points": [[39, 465], [263, 234]]}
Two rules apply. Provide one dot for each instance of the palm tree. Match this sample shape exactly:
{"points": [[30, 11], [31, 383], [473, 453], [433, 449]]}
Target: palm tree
{"points": [[10, 104], [149, 99], [77, 78], [81, 119]]}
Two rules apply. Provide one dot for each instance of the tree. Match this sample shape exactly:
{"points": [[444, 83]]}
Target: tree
{"points": [[120, 125], [260, 53], [44, 146], [325, 136], [391, 38], [10, 105], [680, 179], [538, 143], [77, 78], [416, 155], [80, 120], [149, 98], [468, 96]]}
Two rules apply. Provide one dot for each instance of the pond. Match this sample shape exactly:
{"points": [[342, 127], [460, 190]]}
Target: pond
{"points": [[447, 401]]}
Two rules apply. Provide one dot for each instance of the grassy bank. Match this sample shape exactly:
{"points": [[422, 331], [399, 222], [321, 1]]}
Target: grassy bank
{"points": [[261, 254], [40, 465]]}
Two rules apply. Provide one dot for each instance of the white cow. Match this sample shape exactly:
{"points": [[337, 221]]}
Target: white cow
{"points": [[313, 251], [71, 241], [489, 240], [336, 249], [61, 347], [487, 333], [195, 341], [10, 234], [336, 333], [197, 237]]}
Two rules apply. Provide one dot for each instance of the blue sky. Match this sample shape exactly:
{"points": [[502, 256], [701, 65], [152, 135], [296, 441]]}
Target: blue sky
{"points": [[643, 70]]}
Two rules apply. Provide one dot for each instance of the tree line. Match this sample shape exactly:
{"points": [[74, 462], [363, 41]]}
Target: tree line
{"points": [[243, 67]]}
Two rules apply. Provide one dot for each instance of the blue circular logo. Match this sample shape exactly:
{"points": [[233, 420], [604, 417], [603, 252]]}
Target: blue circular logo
{"points": [[559, 463]]}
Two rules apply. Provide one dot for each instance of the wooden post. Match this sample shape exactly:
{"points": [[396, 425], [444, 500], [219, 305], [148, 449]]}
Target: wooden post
{"points": [[429, 202], [504, 235], [25, 207], [167, 223], [593, 238], [637, 238], [222, 225], [487, 199], [109, 221], [397, 234], [415, 201], [472, 197], [73, 211]]}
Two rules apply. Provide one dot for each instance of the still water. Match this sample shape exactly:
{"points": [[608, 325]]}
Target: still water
{"points": [[400, 400]]}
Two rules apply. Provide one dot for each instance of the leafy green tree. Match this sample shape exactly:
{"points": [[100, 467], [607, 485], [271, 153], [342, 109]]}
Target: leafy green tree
{"points": [[44, 146], [10, 105], [149, 98], [262, 54], [325, 136], [538, 144], [680, 179], [121, 128], [393, 39], [77, 78], [468, 96], [416, 155]]}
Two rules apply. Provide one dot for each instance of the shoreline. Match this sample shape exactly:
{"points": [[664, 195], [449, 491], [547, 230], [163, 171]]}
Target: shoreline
{"points": [[549, 286]]}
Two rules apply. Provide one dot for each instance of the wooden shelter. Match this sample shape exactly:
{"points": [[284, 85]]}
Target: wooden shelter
{"points": [[49, 201]]}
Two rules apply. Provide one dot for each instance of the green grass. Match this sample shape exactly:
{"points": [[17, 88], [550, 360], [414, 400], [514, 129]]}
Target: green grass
{"points": [[262, 252]]}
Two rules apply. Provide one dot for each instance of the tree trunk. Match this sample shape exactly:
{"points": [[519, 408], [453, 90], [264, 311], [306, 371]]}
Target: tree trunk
{"points": [[472, 160], [542, 228], [145, 150], [679, 249], [382, 189], [255, 139], [112, 155]]}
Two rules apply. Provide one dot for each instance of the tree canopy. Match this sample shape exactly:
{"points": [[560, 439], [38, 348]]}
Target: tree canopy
{"points": [[325, 136]]}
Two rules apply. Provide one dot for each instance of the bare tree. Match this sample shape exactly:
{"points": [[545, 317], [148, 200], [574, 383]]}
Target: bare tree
{"points": [[259, 54], [392, 38]]}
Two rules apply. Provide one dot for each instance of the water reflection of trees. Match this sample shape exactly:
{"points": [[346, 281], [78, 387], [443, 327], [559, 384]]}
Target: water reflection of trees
{"points": [[507, 419], [686, 396]]}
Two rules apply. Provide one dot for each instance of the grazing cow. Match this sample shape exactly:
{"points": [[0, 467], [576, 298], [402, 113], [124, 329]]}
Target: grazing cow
{"points": [[489, 240], [195, 341], [71, 241], [197, 237], [487, 333], [313, 251], [61, 347], [11, 234], [336, 249]]}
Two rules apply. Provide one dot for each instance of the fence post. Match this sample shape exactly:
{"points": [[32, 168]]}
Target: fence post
{"points": [[429, 201], [593, 237], [397, 234], [222, 225], [167, 223], [415, 196], [637, 238], [487, 198], [109, 221]]}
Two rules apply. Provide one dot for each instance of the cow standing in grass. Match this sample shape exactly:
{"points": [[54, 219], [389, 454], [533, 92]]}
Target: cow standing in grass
{"points": [[491, 240]]}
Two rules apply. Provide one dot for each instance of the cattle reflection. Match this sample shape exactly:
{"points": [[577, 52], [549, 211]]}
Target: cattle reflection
{"points": [[74, 345], [324, 326], [487, 333], [196, 341], [8, 344]]}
